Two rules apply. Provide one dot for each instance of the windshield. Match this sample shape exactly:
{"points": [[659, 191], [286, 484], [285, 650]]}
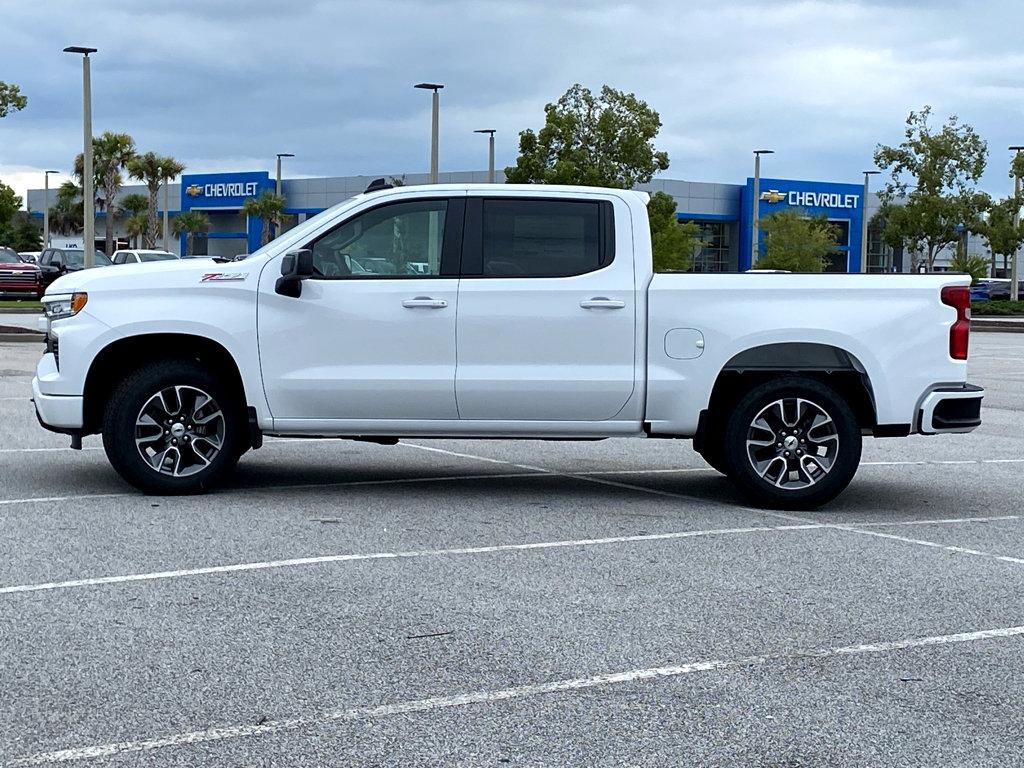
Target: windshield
{"points": [[7, 255], [156, 256], [76, 258]]}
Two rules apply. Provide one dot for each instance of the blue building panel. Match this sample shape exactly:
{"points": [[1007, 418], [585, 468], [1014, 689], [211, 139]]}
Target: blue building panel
{"points": [[227, 191], [840, 203]]}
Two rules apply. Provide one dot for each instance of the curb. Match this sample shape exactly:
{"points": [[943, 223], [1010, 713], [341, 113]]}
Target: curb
{"points": [[1006, 326], [30, 336], [19, 311]]}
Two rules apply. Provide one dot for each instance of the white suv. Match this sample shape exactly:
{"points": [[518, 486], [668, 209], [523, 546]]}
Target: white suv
{"points": [[140, 255]]}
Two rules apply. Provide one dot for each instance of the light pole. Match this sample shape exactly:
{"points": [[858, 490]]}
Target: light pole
{"points": [[88, 196], [436, 105], [1014, 265], [864, 223], [167, 216], [46, 207], [490, 152], [754, 235], [279, 156]]}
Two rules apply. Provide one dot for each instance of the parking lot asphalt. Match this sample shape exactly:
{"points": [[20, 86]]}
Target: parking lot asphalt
{"points": [[490, 603]]}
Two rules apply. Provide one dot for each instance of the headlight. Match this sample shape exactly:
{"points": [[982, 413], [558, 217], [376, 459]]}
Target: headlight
{"points": [[65, 305]]}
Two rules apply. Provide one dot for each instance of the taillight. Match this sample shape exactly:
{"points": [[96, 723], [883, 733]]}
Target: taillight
{"points": [[959, 298]]}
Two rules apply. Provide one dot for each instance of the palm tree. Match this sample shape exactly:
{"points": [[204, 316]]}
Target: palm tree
{"points": [[269, 207], [136, 226], [111, 152], [134, 206], [66, 213], [154, 170], [190, 222]]}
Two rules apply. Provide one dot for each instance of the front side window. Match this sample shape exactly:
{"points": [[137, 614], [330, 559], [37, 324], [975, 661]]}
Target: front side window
{"points": [[399, 240], [540, 238]]}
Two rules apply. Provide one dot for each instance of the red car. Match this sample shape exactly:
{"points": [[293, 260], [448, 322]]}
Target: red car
{"points": [[18, 278]]}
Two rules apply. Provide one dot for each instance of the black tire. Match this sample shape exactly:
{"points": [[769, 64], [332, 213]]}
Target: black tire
{"points": [[814, 450], [219, 447]]}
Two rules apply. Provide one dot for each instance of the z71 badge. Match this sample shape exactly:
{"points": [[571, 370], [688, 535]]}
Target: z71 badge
{"points": [[222, 276]]}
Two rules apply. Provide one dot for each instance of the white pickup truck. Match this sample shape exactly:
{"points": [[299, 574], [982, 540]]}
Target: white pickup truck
{"points": [[499, 311]]}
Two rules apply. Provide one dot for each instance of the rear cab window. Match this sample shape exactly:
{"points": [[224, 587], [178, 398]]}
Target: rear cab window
{"points": [[537, 237]]}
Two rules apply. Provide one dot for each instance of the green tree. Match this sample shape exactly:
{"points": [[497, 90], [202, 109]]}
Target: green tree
{"points": [[133, 204], [136, 222], [136, 226], [974, 265], [22, 233], [1004, 238], [795, 242], [10, 203], [11, 99], [111, 153], [604, 141], [269, 207], [66, 213], [191, 223], [932, 189], [153, 170], [673, 243]]}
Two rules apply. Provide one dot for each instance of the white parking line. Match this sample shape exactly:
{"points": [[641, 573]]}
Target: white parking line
{"points": [[784, 516], [859, 528], [485, 696], [797, 525], [401, 554]]}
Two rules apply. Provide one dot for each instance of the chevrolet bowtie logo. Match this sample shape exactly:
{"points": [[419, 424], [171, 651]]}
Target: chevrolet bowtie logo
{"points": [[773, 196], [195, 190]]}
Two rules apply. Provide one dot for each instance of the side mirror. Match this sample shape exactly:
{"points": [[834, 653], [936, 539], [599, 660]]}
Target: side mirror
{"points": [[295, 267]]}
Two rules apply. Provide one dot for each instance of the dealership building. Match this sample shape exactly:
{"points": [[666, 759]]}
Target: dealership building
{"points": [[723, 212]]}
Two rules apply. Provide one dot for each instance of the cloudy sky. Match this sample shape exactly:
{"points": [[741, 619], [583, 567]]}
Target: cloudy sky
{"points": [[225, 85]]}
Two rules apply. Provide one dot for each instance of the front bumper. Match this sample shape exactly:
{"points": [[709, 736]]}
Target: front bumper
{"points": [[955, 409], [60, 413]]}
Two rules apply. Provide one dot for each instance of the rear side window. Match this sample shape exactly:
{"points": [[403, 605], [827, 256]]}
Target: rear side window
{"points": [[537, 238]]}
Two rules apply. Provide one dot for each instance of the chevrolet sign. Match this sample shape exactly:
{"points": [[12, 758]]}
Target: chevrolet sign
{"points": [[194, 190], [812, 199], [227, 190]]}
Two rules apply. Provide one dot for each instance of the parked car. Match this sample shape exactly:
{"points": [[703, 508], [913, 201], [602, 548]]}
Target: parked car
{"points": [[141, 256], [563, 331], [997, 288], [56, 262], [30, 257], [18, 278]]}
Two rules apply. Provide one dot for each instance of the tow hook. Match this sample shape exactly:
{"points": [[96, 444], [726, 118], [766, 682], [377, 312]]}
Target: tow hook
{"points": [[76, 441]]}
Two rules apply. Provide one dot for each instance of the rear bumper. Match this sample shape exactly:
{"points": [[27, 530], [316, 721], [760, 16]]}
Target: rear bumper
{"points": [[954, 409]]}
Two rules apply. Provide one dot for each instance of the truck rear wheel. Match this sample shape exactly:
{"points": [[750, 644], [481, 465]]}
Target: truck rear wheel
{"points": [[792, 443], [172, 428]]}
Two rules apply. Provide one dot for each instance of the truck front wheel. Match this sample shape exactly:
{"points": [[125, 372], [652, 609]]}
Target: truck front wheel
{"points": [[172, 428], [792, 443]]}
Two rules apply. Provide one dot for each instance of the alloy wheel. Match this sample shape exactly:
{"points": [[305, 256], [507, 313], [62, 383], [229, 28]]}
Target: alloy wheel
{"points": [[792, 443], [180, 430]]}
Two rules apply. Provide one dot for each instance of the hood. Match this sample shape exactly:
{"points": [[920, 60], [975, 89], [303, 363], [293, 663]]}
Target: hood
{"points": [[169, 275], [19, 267]]}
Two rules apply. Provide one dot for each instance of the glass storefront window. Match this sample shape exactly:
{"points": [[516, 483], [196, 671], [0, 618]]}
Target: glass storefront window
{"points": [[717, 253]]}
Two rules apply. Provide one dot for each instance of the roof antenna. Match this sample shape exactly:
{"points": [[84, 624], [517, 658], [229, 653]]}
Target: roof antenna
{"points": [[378, 184]]}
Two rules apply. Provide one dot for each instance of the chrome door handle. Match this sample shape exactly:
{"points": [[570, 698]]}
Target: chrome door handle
{"points": [[425, 301], [602, 302]]}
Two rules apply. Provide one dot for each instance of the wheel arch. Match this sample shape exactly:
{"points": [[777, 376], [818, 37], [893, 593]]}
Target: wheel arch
{"points": [[122, 356], [827, 363]]}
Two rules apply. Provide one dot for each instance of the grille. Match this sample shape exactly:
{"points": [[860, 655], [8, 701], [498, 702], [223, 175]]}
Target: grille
{"points": [[52, 345], [21, 278]]}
